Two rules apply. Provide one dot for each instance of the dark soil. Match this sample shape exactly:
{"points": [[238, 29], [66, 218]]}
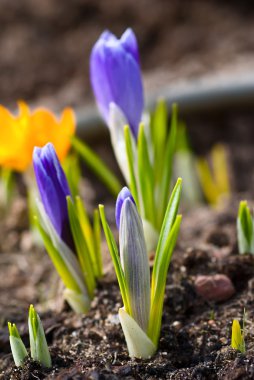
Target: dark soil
{"points": [[195, 336], [46, 44]]}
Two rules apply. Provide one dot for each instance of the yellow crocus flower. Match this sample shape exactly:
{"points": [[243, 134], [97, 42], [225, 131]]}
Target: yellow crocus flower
{"points": [[20, 134]]}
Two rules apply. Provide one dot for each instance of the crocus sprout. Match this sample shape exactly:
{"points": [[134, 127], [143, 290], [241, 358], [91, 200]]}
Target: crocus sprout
{"points": [[20, 134], [215, 183], [38, 344], [237, 338], [73, 244], [142, 296], [18, 348], [245, 229]]}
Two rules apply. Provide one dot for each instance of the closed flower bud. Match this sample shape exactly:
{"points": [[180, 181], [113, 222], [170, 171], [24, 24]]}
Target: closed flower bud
{"points": [[122, 196], [135, 263], [116, 76], [53, 188]]}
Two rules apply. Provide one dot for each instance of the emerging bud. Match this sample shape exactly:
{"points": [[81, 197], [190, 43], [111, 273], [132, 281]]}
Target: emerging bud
{"points": [[122, 196], [38, 343]]}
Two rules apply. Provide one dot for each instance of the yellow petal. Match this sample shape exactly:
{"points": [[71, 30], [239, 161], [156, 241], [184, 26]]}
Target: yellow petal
{"points": [[47, 128], [20, 134]]}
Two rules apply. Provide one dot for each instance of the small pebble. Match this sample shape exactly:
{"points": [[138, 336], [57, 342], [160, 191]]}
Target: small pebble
{"points": [[177, 325], [216, 287]]}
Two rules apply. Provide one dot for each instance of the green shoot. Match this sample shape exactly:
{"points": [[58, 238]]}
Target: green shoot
{"points": [[215, 182], [150, 167], [245, 231], [146, 164], [38, 343], [18, 348], [237, 339]]}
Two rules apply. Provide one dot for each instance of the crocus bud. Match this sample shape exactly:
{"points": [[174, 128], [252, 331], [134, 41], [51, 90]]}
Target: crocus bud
{"points": [[116, 76], [53, 188], [122, 196], [134, 261]]}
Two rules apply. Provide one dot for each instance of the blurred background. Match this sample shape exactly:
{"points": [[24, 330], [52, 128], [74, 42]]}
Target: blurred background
{"points": [[45, 45]]}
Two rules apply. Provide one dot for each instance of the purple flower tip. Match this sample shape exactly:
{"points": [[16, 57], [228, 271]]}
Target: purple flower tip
{"points": [[116, 76], [122, 196], [53, 188]]}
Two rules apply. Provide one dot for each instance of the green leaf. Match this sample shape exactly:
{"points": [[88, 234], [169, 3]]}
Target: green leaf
{"points": [[132, 165], [159, 136], [166, 244], [245, 232], [115, 258], [73, 172], [59, 263], [18, 348], [81, 248], [65, 262], [159, 277], [38, 343], [246, 220], [167, 164], [87, 229], [146, 179], [97, 242], [169, 219], [97, 166]]}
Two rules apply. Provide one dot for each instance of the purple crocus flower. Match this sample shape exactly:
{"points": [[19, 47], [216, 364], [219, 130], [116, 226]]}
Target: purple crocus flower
{"points": [[122, 196], [53, 188], [116, 76]]}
